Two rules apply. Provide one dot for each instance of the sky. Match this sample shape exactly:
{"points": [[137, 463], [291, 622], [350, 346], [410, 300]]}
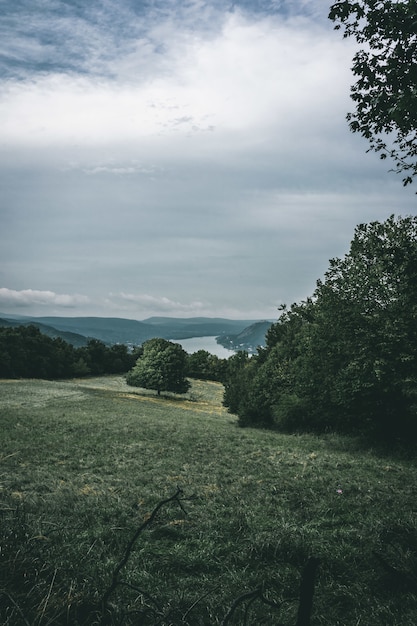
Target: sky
{"points": [[177, 158]]}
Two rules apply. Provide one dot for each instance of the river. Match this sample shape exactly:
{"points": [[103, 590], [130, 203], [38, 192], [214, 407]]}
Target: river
{"points": [[204, 343]]}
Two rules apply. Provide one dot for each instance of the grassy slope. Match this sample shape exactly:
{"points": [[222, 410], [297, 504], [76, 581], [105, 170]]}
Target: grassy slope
{"points": [[82, 464]]}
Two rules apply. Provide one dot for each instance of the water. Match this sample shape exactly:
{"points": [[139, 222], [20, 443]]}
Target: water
{"points": [[204, 343]]}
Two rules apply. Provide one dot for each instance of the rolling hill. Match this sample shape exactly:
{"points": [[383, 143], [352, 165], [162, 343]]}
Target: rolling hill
{"points": [[112, 330], [248, 339]]}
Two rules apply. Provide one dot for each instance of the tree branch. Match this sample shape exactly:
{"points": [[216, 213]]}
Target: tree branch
{"points": [[115, 577]]}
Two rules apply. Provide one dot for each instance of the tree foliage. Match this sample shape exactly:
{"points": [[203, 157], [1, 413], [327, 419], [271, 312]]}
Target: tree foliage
{"points": [[162, 367], [345, 359], [206, 366], [385, 93], [25, 352]]}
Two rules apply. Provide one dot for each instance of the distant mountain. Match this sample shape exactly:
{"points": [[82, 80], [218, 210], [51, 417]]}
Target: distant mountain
{"points": [[73, 338], [113, 330], [184, 328], [110, 330], [249, 339]]}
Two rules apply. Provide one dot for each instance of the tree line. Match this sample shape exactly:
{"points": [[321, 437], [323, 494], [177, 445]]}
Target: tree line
{"points": [[345, 359], [25, 352]]}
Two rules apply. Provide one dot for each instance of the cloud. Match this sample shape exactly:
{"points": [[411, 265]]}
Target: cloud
{"points": [[260, 98], [161, 304], [30, 297], [251, 74], [118, 169], [197, 150]]}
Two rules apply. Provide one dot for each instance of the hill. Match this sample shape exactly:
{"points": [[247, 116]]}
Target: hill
{"points": [[185, 328], [249, 339], [85, 464], [112, 330], [74, 339]]}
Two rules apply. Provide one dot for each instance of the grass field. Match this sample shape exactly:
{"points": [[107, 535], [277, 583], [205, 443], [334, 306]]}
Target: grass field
{"points": [[83, 464]]}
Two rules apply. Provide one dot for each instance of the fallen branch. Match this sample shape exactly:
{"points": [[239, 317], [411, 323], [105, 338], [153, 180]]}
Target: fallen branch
{"points": [[116, 573], [194, 604], [17, 607], [249, 597]]}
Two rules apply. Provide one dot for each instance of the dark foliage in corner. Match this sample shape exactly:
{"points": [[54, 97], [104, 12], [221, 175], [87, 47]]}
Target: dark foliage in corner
{"points": [[385, 93]]}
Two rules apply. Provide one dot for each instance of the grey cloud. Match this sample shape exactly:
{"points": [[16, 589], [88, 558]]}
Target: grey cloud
{"points": [[117, 39], [161, 303], [110, 190], [30, 297]]}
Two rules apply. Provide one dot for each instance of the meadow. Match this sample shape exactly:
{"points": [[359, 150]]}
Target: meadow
{"points": [[84, 463]]}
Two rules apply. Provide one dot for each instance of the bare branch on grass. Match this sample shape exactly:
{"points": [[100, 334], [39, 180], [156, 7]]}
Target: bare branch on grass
{"points": [[116, 573], [249, 597], [17, 607], [194, 604], [305, 603]]}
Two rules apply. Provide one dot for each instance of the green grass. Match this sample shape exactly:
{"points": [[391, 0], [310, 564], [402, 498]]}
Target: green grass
{"points": [[83, 464]]}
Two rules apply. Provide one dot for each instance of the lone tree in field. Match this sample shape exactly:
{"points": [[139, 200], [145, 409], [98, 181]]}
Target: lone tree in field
{"points": [[386, 90], [161, 367]]}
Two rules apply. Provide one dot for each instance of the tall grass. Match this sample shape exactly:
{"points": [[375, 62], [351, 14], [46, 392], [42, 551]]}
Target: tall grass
{"points": [[84, 463]]}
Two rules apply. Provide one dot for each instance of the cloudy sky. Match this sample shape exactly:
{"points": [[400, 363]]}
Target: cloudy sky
{"points": [[177, 157]]}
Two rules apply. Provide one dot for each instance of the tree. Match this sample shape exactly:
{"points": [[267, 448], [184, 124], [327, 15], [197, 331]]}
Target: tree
{"points": [[346, 359], [236, 386], [26, 352], [96, 356], [161, 367], [366, 330], [206, 366], [386, 90]]}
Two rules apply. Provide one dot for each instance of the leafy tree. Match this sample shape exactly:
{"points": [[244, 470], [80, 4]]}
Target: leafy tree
{"points": [[206, 366], [96, 356], [386, 90], [120, 359], [346, 359], [236, 386], [363, 344], [247, 390], [161, 367], [26, 352]]}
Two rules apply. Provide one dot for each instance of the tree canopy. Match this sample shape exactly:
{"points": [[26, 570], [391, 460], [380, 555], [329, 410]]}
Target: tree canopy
{"points": [[162, 367], [386, 90], [202, 364], [28, 353], [346, 358]]}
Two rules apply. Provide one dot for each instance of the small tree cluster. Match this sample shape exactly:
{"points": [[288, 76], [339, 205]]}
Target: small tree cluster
{"points": [[25, 352], [206, 366], [346, 359]]}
